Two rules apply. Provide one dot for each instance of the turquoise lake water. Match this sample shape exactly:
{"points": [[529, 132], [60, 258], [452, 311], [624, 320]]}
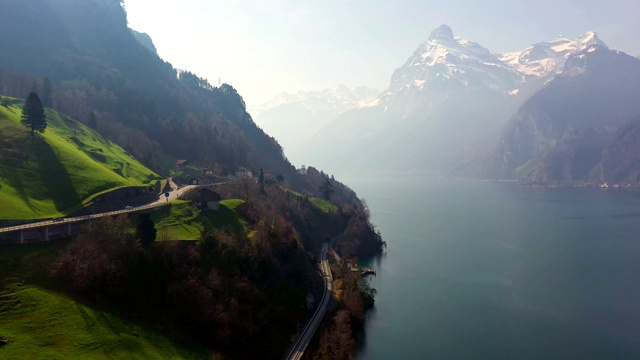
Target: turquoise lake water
{"points": [[479, 270]]}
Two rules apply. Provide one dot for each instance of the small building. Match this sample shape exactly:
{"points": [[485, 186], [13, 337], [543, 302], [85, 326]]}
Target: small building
{"points": [[193, 180], [269, 177], [180, 164], [207, 198], [243, 173], [167, 187]]}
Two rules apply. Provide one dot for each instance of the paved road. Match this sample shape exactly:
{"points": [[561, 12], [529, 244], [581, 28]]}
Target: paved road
{"points": [[162, 200], [305, 337], [173, 195]]}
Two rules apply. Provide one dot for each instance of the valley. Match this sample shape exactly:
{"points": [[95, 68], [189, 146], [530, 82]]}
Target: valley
{"points": [[372, 185]]}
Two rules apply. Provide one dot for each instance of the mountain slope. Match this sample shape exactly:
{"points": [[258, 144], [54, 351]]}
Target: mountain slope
{"points": [[54, 173], [621, 158], [141, 102], [446, 107], [39, 323], [595, 95], [442, 105]]}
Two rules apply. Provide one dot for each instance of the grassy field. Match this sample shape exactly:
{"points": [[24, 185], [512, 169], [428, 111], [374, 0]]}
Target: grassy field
{"points": [[39, 323], [181, 220], [322, 204], [54, 173]]}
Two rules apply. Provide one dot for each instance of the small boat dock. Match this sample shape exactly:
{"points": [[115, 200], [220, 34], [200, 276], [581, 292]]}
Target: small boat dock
{"points": [[364, 271]]}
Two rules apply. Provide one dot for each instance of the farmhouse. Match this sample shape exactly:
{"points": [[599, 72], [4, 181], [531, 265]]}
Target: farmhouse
{"points": [[207, 198], [180, 164]]}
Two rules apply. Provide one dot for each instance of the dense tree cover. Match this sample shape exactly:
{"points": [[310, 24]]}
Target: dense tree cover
{"points": [[92, 61], [228, 289], [223, 291], [335, 340], [145, 230], [93, 69], [33, 116], [326, 189]]}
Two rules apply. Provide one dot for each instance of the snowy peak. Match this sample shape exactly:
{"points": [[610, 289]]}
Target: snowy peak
{"points": [[443, 32], [590, 38], [548, 58], [445, 62]]}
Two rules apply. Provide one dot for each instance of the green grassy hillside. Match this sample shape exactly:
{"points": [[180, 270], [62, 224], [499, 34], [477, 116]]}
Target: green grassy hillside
{"points": [[181, 220], [54, 173], [37, 323]]}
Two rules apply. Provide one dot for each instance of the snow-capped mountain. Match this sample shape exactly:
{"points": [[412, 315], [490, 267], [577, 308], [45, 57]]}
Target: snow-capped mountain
{"points": [[562, 133], [444, 61], [548, 58], [293, 118], [443, 109]]}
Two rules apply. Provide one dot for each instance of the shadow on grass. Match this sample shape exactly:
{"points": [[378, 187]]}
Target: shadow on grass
{"points": [[222, 219], [85, 316], [56, 179], [18, 168], [16, 178]]}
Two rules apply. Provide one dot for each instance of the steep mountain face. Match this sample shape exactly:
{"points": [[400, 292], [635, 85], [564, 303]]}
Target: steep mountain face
{"points": [[293, 118], [621, 158], [95, 63], [145, 40], [437, 115], [558, 135], [445, 64], [446, 109], [548, 58]]}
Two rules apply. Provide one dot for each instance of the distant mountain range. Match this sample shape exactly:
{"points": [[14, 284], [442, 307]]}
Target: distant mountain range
{"points": [[455, 108], [294, 118]]}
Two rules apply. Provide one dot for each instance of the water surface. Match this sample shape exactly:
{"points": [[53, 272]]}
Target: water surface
{"points": [[497, 271]]}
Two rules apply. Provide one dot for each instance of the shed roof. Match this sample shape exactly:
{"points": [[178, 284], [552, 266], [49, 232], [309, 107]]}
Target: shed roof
{"points": [[206, 194]]}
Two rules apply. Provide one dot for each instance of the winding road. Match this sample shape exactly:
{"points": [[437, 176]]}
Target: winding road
{"points": [[297, 350], [162, 200]]}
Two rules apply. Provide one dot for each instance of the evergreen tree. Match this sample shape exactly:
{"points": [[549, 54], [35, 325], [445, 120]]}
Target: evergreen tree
{"points": [[261, 177], [33, 116], [326, 189], [145, 230], [261, 182]]}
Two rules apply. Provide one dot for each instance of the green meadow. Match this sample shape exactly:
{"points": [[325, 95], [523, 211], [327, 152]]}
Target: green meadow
{"points": [[181, 220], [55, 173], [37, 322]]}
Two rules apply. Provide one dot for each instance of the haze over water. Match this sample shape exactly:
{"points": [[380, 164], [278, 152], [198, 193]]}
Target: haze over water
{"points": [[494, 270]]}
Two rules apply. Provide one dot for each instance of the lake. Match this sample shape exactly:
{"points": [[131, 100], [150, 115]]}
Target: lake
{"points": [[496, 271]]}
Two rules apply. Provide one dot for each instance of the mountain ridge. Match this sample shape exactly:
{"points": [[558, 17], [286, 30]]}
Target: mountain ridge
{"points": [[595, 95], [446, 106]]}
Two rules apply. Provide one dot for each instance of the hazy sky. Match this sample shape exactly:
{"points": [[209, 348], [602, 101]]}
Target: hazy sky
{"points": [[264, 47]]}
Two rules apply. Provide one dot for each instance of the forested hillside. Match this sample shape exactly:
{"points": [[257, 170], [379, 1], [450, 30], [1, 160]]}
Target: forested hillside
{"points": [[238, 291], [81, 57]]}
